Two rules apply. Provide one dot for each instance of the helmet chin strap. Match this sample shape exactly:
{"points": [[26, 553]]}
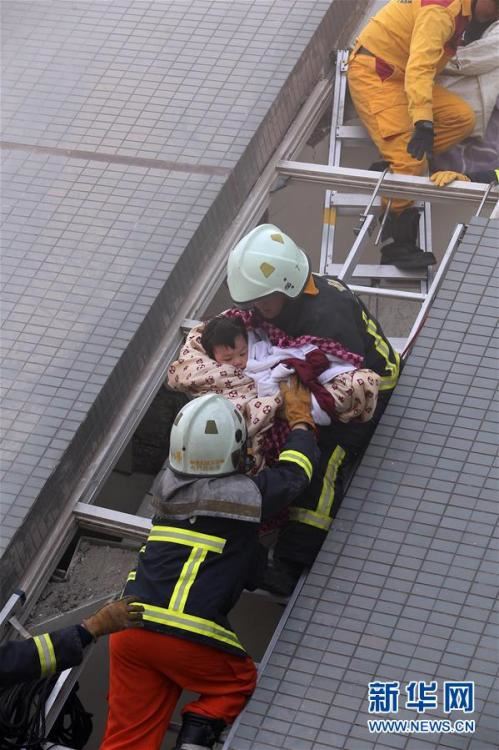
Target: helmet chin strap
{"points": [[246, 461]]}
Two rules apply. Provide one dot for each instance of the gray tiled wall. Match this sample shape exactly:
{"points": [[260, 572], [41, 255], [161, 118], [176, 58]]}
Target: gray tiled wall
{"points": [[405, 586], [132, 133]]}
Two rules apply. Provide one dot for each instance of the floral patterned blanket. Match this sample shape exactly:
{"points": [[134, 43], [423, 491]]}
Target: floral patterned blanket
{"points": [[195, 373]]}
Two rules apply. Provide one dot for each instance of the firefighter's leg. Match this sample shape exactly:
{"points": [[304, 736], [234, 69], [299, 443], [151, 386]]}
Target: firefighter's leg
{"points": [[198, 732], [311, 515], [381, 103], [453, 119], [224, 683], [141, 697]]}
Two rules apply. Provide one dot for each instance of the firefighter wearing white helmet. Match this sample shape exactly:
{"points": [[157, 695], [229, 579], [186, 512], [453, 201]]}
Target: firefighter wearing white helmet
{"points": [[208, 438], [266, 261], [202, 551], [269, 272]]}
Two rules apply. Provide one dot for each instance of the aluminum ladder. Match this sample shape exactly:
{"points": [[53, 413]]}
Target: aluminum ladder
{"points": [[337, 204]]}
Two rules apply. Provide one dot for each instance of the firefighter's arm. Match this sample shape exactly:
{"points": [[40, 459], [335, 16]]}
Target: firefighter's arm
{"points": [[433, 27], [290, 476], [40, 656]]}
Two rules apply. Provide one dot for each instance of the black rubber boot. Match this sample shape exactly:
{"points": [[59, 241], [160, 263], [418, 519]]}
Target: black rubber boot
{"points": [[379, 166], [403, 250], [281, 578], [198, 732]]}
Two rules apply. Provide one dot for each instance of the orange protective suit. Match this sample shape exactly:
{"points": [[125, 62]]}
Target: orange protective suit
{"points": [[392, 88], [148, 673]]}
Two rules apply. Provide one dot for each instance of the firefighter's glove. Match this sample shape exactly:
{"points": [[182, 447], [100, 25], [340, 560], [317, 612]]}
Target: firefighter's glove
{"points": [[297, 406], [114, 616], [421, 143], [445, 177]]}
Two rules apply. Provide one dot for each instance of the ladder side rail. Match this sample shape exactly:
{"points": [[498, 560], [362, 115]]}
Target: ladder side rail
{"points": [[15, 599], [334, 157], [435, 285], [338, 109], [426, 242], [375, 291], [357, 247]]}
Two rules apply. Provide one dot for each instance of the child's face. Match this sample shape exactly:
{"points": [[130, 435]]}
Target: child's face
{"points": [[237, 356]]}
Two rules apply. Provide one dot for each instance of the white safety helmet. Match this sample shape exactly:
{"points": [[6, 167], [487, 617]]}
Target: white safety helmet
{"points": [[208, 437], [265, 261]]}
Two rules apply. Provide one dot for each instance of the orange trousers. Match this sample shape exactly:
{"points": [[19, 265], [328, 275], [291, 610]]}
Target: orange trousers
{"points": [[381, 103], [148, 672]]}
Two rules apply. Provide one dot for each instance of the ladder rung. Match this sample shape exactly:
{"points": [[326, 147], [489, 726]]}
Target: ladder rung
{"points": [[352, 133], [374, 271], [377, 291], [352, 199]]}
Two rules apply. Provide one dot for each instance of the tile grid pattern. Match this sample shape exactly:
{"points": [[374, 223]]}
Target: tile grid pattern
{"points": [[405, 586], [98, 255]]}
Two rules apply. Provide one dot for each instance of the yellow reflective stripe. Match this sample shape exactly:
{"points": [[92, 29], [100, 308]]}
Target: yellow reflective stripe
{"points": [[298, 458], [190, 623], [187, 577], [184, 536], [46, 654], [321, 516], [132, 575], [142, 549], [326, 498], [311, 518], [387, 381]]}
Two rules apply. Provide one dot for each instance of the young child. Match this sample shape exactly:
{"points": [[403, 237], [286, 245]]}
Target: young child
{"points": [[228, 342], [216, 358]]}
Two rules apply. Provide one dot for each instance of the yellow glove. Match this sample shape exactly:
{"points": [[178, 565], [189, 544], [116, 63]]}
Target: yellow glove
{"points": [[296, 402], [114, 616], [445, 177]]}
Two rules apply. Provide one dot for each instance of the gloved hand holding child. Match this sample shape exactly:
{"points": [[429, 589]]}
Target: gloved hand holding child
{"points": [[297, 406]]}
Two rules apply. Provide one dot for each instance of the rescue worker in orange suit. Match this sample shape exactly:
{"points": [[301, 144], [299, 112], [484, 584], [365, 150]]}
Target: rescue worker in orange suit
{"points": [[269, 273], [202, 551], [391, 74], [49, 653]]}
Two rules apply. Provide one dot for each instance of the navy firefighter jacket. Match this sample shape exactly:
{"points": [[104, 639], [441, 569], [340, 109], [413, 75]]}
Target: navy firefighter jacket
{"points": [[203, 547], [43, 655], [329, 309]]}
